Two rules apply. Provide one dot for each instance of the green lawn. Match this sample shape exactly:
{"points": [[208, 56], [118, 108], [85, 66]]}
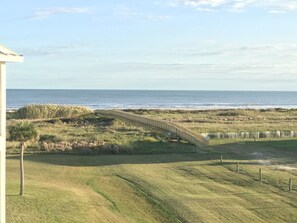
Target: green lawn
{"points": [[152, 180], [158, 188]]}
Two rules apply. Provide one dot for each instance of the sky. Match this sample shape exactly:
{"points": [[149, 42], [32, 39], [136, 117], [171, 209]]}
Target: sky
{"points": [[165, 44]]}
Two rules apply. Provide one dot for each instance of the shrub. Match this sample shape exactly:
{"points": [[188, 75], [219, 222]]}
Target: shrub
{"points": [[150, 139], [48, 111], [230, 113], [49, 138], [22, 131]]}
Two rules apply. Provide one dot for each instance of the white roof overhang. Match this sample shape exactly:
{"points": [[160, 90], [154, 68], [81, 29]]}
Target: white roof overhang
{"points": [[7, 55]]}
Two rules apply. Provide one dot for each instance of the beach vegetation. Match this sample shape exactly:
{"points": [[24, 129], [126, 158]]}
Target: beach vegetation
{"points": [[97, 134], [228, 120], [49, 111], [22, 132]]}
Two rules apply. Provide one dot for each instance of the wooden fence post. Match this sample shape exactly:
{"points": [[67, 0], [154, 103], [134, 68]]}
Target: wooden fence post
{"points": [[290, 184], [260, 174], [237, 167], [221, 159]]}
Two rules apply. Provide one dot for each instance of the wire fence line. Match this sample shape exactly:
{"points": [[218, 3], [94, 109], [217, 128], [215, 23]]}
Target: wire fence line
{"points": [[180, 131]]}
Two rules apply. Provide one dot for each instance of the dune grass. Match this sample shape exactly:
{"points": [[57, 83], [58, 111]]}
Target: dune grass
{"points": [[157, 188], [233, 120], [47, 111], [128, 138]]}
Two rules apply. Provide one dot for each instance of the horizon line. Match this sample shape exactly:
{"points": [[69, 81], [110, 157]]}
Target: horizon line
{"points": [[94, 89]]}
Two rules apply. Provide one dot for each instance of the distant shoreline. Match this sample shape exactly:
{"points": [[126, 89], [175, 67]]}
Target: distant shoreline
{"points": [[188, 109], [169, 90], [148, 99]]}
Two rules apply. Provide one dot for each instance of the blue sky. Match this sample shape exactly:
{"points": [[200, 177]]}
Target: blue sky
{"points": [[165, 44]]}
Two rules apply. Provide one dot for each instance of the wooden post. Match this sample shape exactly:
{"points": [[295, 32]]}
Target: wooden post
{"points": [[2, 139], [237, 167], [221, 159], [6, 55], [22, 174], [260, 174], [290, 184]]}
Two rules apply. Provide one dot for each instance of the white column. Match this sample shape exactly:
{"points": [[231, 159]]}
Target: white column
{"points": [[2, 140]]}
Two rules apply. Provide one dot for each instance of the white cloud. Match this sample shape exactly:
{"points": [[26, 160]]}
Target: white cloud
{"points": [[53, 50], [260, 50], [200, 3], [45, 13], [156, 18], [126, 12], [272, 6], [277, 11], [208, 71]]}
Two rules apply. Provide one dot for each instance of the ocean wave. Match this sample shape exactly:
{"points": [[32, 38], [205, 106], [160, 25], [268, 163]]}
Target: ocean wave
{"points": [[193, 106], [191, 100]]}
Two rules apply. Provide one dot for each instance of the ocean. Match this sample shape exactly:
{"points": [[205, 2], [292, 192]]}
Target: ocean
{"points": [[146, 99]]}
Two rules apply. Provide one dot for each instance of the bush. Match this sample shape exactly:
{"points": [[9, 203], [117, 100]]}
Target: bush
{"points": [[23, 131], [230, 113], [51, 111], [150, 139], [49, 138]]}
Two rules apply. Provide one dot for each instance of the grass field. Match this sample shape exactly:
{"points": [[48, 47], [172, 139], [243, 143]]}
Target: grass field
{"points": [[153, 180], [228, 120], [158, 188]]}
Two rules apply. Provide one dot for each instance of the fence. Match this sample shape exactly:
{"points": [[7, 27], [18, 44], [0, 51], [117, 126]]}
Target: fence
{"points": [[251, 135], [280, 183], [180, 131]]}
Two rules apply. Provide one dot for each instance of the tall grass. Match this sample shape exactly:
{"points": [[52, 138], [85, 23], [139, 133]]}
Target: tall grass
{"points": [[223, 120], [46, 111]]}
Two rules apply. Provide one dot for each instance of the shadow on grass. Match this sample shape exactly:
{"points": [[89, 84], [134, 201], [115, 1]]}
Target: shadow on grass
{"points": [[277, 150], [141, 152], [283, 151], [107, 160]]}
